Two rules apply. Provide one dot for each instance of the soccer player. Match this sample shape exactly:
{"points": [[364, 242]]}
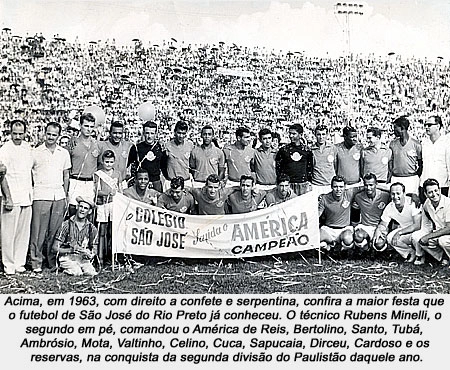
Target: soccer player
{"points": [[407, 215], [281, 193], [406, 163], [140, 190], [335, 208], [176, 198], [206, 159], [147, 154], [84, 151], [375, 158], [212, 197], [296, 161], [175, 160], [265, 161], [371, 202], [239, 157], [434, 234], [246, 199], [119, 146], [348, 155], [324, 161]]}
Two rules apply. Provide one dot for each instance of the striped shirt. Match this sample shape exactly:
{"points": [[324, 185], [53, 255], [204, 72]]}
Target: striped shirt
{"points": [[70, 234]]}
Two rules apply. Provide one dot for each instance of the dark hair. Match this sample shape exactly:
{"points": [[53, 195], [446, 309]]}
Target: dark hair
{"points": [[240, 131], [337, 178], [430, 182], [116, 124], [213, 178], [401, 122], [181, 126], [108, 154], [397, 184], [15, 122], [87, 117], [320, 128], [149, 124], [207, 127], [141, 170], [283, 177], [246, 177], [297, 127], [437, 120], [375, 131], [264, 131], [276, 135], [370, 176], [54, 125], [347, 130], [177, 182]]}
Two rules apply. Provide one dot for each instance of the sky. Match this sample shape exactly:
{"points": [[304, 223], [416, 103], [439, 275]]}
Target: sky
{"points": [[409, 28]]}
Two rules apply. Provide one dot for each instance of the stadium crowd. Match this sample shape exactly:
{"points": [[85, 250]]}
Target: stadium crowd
{"points": [[368, 135]]}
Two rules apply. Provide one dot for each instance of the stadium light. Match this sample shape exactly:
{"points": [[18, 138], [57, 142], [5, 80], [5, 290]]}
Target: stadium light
{"points": [[347, 11]]}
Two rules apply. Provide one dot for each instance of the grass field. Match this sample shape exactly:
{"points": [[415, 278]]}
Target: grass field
{"points": [[287, 273]]}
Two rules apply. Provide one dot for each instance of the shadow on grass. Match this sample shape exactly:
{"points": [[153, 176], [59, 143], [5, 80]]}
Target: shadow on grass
{"points": [[288, 273]]}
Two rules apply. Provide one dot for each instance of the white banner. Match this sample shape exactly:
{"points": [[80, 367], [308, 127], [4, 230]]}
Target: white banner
{"points": [[234, 72], [142, 229]]}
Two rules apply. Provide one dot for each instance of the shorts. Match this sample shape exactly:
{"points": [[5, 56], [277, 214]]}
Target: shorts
{"points": [[335, 233], [104, 212], [80, 188], [265, 187], [321, 189], [370, 230]]}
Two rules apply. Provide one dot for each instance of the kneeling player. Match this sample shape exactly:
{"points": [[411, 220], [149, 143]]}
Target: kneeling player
{"points": [[371, 202]]}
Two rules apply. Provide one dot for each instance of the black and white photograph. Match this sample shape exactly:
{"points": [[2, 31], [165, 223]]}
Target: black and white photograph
{"points": [[294, 151]]}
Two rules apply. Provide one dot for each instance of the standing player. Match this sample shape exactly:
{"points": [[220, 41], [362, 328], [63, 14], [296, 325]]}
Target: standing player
{"points": [[206, 159], [347, 158], [84, 151], [375, 158], [265, 161], [239, 157], [406, 163], [296, 161], [119, 146], [147, 154], [324, 161], [175, 160]]}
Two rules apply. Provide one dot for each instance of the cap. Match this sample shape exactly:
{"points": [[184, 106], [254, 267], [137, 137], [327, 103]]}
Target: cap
{"points": [[85, 200]]}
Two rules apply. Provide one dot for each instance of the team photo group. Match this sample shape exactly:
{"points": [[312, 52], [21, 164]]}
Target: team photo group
{"points": [[57, 201]]}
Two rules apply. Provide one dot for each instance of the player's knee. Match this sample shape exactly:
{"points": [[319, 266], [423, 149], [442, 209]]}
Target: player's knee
{"points": [[347, 237], [359, 236]]}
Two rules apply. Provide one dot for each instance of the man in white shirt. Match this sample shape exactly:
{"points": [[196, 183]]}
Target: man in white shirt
{"points": [[407, 215], [434, 234], [17, 157], [436, 156], [51, 166]]}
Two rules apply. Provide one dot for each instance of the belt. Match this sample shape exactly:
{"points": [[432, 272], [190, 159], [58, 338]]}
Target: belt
{"points": [[81, 178]]}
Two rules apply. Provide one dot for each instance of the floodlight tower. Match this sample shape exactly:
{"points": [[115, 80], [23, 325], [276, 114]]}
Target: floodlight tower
{"points": [[343, 13]]}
